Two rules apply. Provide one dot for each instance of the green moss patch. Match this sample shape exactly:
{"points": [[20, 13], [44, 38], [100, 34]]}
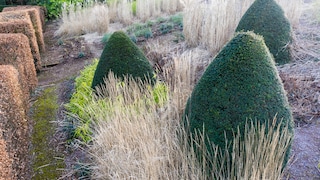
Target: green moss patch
{"points": [[46, 162]]}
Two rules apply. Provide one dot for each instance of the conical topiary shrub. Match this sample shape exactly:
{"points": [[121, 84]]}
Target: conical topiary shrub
{"points": [[266, 18], [122, 57], [240, 85]]}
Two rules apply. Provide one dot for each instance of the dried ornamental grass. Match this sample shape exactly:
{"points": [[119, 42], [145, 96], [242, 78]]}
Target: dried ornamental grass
{"points": [[21, 23], [154, 8], [79, 20], [212, 23], [15, 50], [14, 123], [36, 22]]}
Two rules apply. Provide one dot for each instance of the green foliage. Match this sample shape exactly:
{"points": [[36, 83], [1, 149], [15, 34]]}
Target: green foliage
{"points": [[266, 18], [161, 20], [83, 92], [2, 4], [44, 112], [160, 93], [161, 24], [140, 30], [54, 7], [148, 33], [105, 38], [134, 8], [166, 28], [81, 54], [240, 85], [122, 57], [136, 27], [133, 38], [82, 101], [177, 20], [150, 23], [60, 42]]}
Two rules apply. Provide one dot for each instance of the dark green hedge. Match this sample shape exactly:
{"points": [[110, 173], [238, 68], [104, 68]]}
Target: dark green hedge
{"points": [[240, 84], [266, 18], [122, 57]]}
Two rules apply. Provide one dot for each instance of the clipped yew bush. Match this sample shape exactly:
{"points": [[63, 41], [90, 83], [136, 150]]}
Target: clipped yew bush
{"points": [[123, 58], [266, 18], [241, 84]]}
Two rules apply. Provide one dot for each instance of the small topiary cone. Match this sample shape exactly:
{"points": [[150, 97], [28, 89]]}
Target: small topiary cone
{"points": [[240, 85], [266, 18], [122, 57]]}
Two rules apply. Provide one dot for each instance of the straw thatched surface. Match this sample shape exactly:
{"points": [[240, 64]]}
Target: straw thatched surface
{"points": [[14, 124], [12, 22], [34, 14], [15, 50], [40, 10]]}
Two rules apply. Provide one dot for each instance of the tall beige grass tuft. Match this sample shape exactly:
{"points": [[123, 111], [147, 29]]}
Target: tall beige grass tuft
{"points": [[171, 6], [121, 11], [78, 20], [212, 23], [261, 153], [152, 8], [148, 8], [135, 138]]}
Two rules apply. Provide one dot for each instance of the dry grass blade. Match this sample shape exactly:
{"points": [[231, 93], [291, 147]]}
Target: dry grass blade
{"points": [[78, 20], [261, 153]]}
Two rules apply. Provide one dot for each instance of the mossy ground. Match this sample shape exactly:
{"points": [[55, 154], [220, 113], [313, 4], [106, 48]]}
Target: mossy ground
{"points": [[46, 161]]}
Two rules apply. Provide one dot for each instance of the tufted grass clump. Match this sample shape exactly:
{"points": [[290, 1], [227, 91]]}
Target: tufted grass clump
{"points": [[79, 19], [83, 100], [267, 18], [241, 84]]}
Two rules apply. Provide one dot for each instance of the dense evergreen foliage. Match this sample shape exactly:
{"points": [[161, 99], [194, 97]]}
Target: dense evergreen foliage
{"points": [[122, 57], [266, 18], [241, 84]]}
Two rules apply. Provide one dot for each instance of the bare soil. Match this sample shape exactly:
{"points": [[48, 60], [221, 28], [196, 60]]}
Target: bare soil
{"points": [[64, 58]]}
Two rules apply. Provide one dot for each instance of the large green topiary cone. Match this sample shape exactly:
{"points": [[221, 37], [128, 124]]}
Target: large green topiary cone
{"points": [[241, 84], [266, 18], [122, 57]]}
